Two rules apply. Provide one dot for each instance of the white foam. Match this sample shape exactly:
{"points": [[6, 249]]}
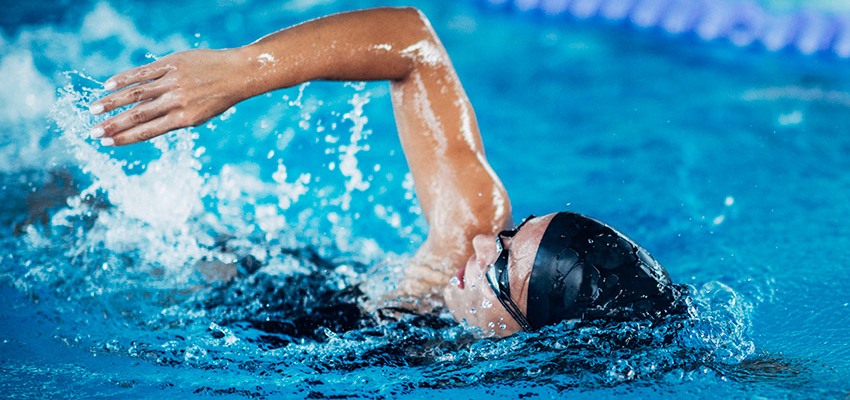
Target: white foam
{"points": [[26, 94], [25, 99], [152, 216]]}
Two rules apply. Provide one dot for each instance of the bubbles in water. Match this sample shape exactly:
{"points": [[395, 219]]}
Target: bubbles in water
{"points": [[720, 323], [195, 354], [226, 334], [621, 371]]}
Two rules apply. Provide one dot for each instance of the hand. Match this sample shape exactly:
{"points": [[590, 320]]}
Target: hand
{"points": [[177, 91]]}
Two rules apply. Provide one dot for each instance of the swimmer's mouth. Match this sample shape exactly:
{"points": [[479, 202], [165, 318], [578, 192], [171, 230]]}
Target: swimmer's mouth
{"points": [[461, 273]]}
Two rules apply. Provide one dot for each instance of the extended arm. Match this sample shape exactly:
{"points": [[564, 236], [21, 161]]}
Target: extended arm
{"points": [[460, 194]]}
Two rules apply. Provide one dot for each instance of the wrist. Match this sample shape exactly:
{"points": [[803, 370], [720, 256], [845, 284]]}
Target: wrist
{"points": [[263, 68], [243, 73]]}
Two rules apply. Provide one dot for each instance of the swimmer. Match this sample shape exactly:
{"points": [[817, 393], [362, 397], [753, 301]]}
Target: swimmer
{"points": [[491, 275]]}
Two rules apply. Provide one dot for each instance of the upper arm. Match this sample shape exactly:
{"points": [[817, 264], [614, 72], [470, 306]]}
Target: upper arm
{"points": [[460, 194]]}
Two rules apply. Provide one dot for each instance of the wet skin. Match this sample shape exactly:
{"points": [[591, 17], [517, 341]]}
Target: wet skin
{"points": [[462, 198], [474, 292]]}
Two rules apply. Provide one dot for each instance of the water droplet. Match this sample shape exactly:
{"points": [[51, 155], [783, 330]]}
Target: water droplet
{"points": [[491, 324], [503, 326], [454, 281], [473, 310], [486, 304]]}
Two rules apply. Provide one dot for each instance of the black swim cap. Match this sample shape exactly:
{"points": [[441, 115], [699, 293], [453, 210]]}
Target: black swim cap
{"points": [[586, 270]]}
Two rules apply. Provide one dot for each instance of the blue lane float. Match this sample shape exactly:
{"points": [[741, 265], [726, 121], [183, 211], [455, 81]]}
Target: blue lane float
{"points": [[741, 23]]}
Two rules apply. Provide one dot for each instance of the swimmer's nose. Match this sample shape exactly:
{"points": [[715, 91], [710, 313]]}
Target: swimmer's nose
{"points": [[485, 249]]}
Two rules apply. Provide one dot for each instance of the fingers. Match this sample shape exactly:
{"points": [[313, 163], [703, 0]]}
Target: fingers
{"points": [[143, 90], [134, 94], [139, 133], [136, 75], [137, 115], [146, 87]]}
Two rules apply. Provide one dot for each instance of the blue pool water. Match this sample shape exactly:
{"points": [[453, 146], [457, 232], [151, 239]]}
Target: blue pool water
{"points": [[728, 164]]}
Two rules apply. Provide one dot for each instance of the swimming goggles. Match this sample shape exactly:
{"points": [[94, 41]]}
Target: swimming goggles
{"points": [[499, 279]]}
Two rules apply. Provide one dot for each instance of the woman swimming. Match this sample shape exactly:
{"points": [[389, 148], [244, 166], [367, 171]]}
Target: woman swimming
{"points": [[560, 266]]}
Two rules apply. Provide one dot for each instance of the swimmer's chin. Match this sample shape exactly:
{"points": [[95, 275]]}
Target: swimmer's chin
{"points": [[453, 302], [450, 299]]}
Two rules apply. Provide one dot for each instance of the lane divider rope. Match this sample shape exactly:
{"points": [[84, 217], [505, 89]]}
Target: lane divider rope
{"points": [[742, 23]]}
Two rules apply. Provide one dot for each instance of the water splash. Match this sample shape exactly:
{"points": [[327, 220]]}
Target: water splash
{"points": [[720, 324], [151, 214], [221, 326], [348, 159], [169, 216], [24, 100], [244, 218]]}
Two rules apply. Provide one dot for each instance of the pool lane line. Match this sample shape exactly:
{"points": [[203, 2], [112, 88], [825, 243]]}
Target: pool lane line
{"points": [[743, 24]]}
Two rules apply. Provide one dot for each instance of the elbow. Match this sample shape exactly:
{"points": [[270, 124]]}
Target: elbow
{"points": [[411, 40], [414, 17], [414, 13], [423, 48]]}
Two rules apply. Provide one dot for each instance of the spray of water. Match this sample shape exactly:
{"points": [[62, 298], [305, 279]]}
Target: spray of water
{"points": [[165, 214], [168, 215]]}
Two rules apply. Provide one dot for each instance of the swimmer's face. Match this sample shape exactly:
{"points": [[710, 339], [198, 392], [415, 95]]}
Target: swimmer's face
{"points": [[473, 301]]}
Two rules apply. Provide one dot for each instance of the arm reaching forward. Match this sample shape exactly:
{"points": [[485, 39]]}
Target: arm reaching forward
{"points": [[460, 194]]}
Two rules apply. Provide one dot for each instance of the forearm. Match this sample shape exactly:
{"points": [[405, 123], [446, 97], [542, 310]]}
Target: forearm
{"points": [[375, 44], [188, 88], [460, 194]]}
